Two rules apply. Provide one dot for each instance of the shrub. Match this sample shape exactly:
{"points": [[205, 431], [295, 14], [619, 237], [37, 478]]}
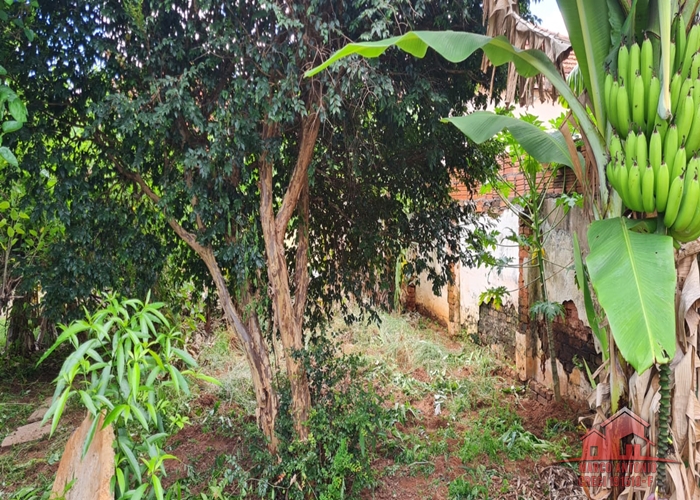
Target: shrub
{"points": [[125, 366]]}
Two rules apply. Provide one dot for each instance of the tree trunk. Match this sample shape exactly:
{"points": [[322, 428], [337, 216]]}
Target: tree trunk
{"points": [[19, 333], [256, 353], [289, 314]]}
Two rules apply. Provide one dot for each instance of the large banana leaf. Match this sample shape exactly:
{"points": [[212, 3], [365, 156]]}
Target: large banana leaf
{"points": [[589, 31], [634, 277], [457, 46], [545, 147]]}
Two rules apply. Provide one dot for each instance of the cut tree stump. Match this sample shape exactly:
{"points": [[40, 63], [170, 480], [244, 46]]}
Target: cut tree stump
{"points": [[91, 474]]}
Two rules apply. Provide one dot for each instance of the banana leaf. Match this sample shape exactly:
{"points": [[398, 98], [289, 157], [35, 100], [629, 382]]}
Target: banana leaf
{"points": [[589, 31], [634, 277], [545, 147]]}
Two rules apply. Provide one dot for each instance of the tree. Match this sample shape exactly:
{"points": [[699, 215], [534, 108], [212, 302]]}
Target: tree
{"points": [[285, 188]]}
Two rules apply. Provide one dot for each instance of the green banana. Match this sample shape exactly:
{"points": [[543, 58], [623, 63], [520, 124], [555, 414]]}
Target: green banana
{"points": [[641, 154], [692, 144], [607, 89], [680, 162], [691, 49], [655, 151], [652, 102], [634, 183], [623, 59], [688, 205], [630, 149], [681, 41], [675, 195], [623, 111], [664, 105], [695, 66], [686, 87], [662, 181], [648, 190], [693, 227], [615, 145], [622, 178], [671, 144], [646, 62], [686, 236], [612, 115], [684, 119], [638, 101], [691, 170], [676, 84], [632, 69]]}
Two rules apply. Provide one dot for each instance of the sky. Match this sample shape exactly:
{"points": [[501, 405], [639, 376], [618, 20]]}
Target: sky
{"points": [[548, 11]]}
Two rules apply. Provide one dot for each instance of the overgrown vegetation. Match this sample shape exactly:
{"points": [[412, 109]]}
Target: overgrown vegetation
{"points": [[392, 402]]}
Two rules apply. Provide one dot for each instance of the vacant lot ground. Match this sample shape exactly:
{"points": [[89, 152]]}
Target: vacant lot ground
{"points": [[463, 427]]}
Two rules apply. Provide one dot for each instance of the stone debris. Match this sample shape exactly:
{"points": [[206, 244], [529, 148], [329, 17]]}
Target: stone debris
{"points": [[40, 412], [91, 474], [30, 432]]}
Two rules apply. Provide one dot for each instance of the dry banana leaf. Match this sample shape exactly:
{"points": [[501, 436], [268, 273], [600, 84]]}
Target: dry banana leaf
{"points": [[683, 385]]}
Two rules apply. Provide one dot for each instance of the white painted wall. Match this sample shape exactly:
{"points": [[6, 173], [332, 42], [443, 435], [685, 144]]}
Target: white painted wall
{"points": [[474, 281], [436, 305]]}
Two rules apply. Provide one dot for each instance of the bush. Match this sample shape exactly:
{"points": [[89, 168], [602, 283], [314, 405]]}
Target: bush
{"points": [[125, 366]]}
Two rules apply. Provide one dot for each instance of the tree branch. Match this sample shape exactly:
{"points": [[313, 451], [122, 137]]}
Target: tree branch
{"points": [[309, 133]]}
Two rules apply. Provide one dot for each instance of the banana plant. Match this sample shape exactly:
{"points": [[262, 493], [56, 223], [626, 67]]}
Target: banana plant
{"points": [[643, 324]]}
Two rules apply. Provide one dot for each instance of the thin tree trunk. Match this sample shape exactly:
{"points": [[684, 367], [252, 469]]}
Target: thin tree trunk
{"points": [[256, 353], [290, 313]]}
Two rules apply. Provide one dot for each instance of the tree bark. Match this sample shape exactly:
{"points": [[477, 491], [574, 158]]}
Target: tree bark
{"points": [[289, 314]]}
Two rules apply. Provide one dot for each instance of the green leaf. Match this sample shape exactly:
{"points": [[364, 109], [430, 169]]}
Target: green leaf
{"points": [[17, 109], [90, 435], [8, 156], [60, 406], [642, 319], [4, 205], [587, 299], [588, 25], [157, 488], [545, 147], [114, 414], [11, 126], [185, 356], [125, 447], [87, 401]]}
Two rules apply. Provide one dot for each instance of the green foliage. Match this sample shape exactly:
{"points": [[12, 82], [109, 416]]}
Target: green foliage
{"points": [[642, 320], [345, 422], [124, 367], [462, 489], [493, 296]]}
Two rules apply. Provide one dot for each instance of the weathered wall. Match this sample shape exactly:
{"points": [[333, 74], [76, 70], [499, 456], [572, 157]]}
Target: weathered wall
{"points": [[475, 281], [429, 304], [573, 339]]}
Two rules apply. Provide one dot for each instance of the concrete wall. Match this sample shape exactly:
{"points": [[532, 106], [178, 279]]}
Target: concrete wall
{"points": [[475, 281], [429, 304]]}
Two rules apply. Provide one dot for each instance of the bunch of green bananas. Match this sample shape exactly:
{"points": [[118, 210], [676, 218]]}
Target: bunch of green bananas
{"points": [[653, 163]]}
